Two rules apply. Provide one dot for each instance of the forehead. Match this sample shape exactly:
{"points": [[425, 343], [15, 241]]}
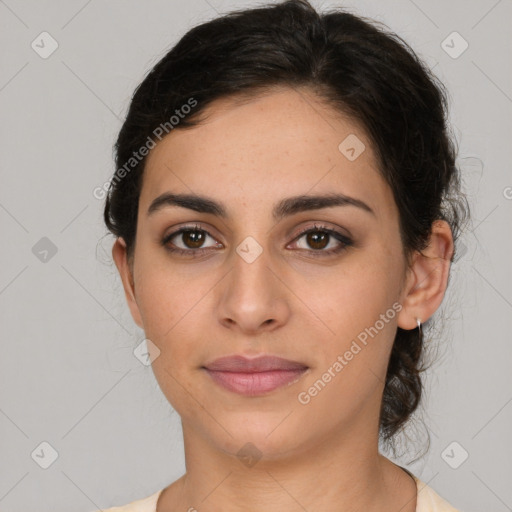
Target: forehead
{"points": [[285, 142]]}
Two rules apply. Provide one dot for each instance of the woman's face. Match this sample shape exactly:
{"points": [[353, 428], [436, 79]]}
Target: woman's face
{"points": [[253, 285]]}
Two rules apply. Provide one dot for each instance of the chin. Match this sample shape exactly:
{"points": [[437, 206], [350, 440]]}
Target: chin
{"points": [[271, 437]]}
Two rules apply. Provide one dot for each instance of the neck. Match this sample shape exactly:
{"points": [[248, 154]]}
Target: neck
{"points": [[342, 473]]}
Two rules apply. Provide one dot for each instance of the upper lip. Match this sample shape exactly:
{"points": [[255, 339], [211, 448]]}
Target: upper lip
{"points": [[259, 364]]}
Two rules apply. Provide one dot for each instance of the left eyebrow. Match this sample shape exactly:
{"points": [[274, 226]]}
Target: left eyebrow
{"points": [[293, 205], [284, 208]]}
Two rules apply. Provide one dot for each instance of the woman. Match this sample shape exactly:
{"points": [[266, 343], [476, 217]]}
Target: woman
{"points": [[285, 209]]}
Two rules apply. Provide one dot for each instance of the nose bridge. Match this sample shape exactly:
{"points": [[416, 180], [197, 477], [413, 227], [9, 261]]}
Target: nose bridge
{"points": [[251, 268], [252, 295]]}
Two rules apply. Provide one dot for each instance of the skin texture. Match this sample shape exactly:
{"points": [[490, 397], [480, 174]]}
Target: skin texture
{"points": [[287, 302]]}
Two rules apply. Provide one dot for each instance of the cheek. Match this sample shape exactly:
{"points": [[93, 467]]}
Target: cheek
{"points": [[172, 305], [359, 306], [351, 361], [353, 299], [167, 296], [168, 304]]}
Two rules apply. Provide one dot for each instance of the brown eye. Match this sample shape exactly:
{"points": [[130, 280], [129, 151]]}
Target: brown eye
{"points": [[189, 241], [317, 240], [193, 239]]}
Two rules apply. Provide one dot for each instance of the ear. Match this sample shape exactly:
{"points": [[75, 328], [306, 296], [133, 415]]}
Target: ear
{"points": [[125, 271], [427, 278]]}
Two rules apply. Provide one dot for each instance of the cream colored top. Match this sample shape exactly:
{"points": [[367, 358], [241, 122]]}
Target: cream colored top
{"points": [[428, 501]]}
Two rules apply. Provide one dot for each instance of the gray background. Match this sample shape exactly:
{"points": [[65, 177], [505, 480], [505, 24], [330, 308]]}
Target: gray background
{"points": [[68, 376]]}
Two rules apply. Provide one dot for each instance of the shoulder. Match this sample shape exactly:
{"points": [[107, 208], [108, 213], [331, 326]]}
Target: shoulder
{"points": [[147, 504], [430, 501]]}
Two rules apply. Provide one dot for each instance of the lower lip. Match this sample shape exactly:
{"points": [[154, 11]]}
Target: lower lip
{"points": [[257, 383]]}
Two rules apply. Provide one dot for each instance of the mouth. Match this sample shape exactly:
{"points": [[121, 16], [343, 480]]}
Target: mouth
{"points": [[253, 377]]}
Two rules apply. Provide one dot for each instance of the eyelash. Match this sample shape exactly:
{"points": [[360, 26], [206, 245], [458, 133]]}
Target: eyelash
{"points": [[345, 241]]}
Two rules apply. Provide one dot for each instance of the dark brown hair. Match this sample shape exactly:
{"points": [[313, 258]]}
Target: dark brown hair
{"points": [[355, 65]]}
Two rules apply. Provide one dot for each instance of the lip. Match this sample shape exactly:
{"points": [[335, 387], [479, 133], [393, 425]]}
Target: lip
{"points": [[244, 364], [254, 376]]}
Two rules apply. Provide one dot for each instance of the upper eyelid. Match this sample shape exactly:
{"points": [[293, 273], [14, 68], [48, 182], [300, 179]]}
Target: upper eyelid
{"points": [[187, 227], [178, 231]]}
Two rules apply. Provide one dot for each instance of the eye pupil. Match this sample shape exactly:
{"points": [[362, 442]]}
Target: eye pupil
{"points": [[197, 237], [313, 239]]}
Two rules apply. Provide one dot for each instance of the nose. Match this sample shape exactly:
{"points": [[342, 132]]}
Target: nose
{"points": [[253, 297]]}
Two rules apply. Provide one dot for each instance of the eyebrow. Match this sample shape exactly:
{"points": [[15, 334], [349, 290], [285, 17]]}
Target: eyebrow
{"points": [[284, 208]]}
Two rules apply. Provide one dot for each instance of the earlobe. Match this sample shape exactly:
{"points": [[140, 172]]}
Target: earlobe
{"points": [[427, 278], [120, 258]]}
